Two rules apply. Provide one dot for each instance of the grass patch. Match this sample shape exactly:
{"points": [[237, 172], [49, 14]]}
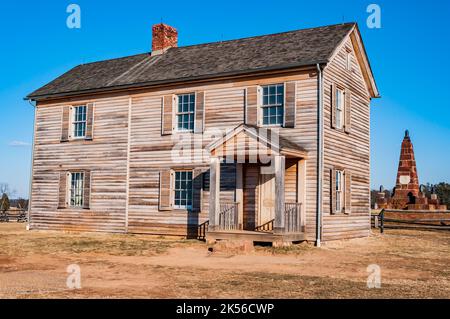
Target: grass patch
{"points": [[111, 244], [297, 249]]}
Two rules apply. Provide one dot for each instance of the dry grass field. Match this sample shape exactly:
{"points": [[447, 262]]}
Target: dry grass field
{"points": [[414, 264]]}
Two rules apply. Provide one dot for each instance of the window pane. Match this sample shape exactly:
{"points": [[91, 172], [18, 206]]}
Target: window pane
{"points": [[76, 189], [183, 190], [280, 89], [272, 99], [338, 118], [280, 119], [280, 99], [79, 121], [339, 96], [273, 111], [186, 111], [272, 90], [273, 120]]}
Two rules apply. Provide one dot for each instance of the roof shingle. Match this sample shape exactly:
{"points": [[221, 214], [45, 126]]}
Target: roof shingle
{"points": [[275, 51]]}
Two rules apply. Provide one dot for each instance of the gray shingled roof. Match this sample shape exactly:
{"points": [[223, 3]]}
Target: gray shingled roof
{"points": [[269, 52]]}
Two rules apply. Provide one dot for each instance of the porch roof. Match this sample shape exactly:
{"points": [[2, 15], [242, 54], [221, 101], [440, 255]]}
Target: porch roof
{"points": [[252, 140]]}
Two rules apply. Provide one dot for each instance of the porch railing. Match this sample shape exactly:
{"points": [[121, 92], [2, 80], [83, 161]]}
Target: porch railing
{"points": [[293, 218], [202, 230], [228, 217], [267, 227]]}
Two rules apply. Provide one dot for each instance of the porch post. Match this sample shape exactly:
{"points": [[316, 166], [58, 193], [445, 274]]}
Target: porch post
{"points": [[214, 193], [301, 192], [279, 165], [240, 193]]}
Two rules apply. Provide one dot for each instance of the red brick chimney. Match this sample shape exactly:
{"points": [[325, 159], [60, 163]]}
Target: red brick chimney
{"points": [[164, 37]]}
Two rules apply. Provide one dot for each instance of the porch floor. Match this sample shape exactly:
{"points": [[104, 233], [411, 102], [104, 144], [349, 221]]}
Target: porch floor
{"points": [[244, 235]]}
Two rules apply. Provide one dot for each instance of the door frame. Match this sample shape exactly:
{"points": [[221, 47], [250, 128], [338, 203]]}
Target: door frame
{"points": [[259, 209]]}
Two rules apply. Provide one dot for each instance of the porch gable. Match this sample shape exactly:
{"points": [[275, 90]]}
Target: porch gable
{"points": [[250, 141]]}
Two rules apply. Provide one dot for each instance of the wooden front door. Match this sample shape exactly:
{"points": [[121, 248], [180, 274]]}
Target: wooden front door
{"points": [[266, 198]]}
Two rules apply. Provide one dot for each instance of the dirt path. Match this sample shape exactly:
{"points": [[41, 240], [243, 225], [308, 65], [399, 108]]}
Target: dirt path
{"points": [[33, 265]]}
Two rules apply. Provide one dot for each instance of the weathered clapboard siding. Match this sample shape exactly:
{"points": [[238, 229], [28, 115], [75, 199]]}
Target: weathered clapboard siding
{"points": [[224, 109], [305, 133], [348, 151], [149, 152], [291, 181], [105, 157]]}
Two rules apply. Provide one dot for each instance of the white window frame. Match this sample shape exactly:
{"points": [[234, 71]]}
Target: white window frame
{"points": [[340, 108], [348, 61], [182, 113], [339, 189], [74, 121], [271, 105], [76, 190], [174, 188]]}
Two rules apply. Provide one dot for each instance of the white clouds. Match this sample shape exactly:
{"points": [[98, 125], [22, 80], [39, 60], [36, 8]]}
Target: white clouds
{"points": [[19, 144]]}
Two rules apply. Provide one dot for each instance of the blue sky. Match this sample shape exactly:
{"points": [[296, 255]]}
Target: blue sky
{"points": [[409, 56]]}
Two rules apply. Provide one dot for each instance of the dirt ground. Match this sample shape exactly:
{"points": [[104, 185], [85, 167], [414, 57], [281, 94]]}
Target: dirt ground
{"points": [[414, 264]]}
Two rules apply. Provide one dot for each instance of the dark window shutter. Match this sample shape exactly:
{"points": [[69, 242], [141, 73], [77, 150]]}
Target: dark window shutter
{"points": [[348, 111], [165, 190], [206, 181], [290, 104], [333, 191], [89, 121], [333, 105], [197, 185], [65, 125], [348, 192], [199, 112], [62, 197], [251, 106], [167, 115], [87, 190]]}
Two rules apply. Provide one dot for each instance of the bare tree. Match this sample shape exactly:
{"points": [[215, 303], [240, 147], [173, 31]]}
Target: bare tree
{"points": [[22, 203], [4, 189], [5, 195]]}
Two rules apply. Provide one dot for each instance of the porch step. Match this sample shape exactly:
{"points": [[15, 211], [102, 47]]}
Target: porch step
{"points": [[243, 235]]}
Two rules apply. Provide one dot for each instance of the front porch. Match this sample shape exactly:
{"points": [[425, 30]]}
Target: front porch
{"points": [[229, 227], [265, 209]]}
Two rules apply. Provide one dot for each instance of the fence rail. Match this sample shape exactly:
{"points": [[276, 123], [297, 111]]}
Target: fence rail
{"points": [[411, 219], [18, 215]]}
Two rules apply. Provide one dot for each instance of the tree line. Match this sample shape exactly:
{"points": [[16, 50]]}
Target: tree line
{"points": [[441, 189]]}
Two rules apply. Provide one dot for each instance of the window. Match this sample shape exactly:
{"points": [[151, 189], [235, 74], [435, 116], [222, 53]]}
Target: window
{"points": [[340, 104], [273, 104], [186, 112], [183, 190], [339, 191], [76, 189], [348, 62], [79, 121]]}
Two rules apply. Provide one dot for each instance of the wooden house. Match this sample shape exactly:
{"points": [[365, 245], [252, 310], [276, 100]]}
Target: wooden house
{"points": [[264, 139]]}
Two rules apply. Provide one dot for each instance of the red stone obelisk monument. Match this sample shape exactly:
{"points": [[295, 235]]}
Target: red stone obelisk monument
{"points": [[407, 185], [407, 193]]}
